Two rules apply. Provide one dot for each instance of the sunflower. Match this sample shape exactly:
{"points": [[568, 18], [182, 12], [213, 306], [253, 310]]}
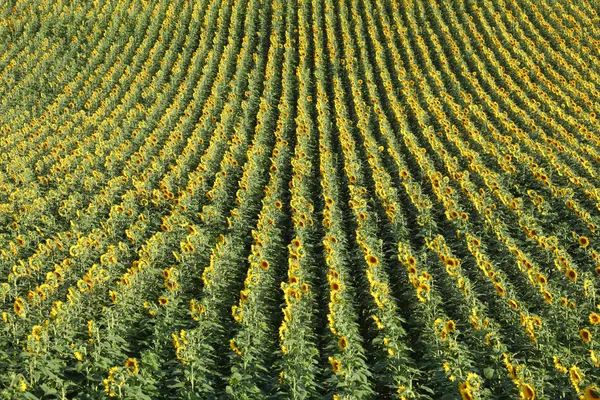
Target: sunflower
{"points": [[343, 343], [19, 307], [37, 332], [264, 264], [444, 334], [423, 296], [547, 296], [575, 376], [591, 393], [172, 285], [336, 365], [473, 381], [372, 260], [527, 392], [594, 319], [594, 358], [542, 280], [163, 301], [586, 335], [584, 241], [501, 291], [465, 393], [450, 326], [513, 304], [571, 274]]}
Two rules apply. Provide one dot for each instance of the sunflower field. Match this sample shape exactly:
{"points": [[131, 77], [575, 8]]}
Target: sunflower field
{"points": [[300, 199]]}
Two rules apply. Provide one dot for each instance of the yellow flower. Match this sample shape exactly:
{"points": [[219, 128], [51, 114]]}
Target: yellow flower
{"points": [[372, 260], [234, 347], [335, 364], [36, 332], [575, 376], [163, 301], [132, 365], [22, 384], [343, 343], [450, 326], [559, 367], [473, 381], [78, 355], [527, 392], [446, 366], [584, 241], [465, 393], [594, 319], [585, 334], [591, 393], [594, 358], [19, 307]]}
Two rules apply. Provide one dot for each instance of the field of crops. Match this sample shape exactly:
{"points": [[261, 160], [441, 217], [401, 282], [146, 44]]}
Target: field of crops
{"points": [[337, 199]]}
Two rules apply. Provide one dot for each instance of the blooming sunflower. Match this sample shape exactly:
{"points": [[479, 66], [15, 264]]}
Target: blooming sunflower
{"points": [[591, 393], [527, 392], [586, 335]]}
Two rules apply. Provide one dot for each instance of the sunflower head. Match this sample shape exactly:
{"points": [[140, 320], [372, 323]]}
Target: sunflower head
{"points": [[584, 241], [372, 260], [343, 343], [473, 382], [527, 392], [594, 319], [586, 335], [591, 393], [335, 364], [465, 392], [450, 326], [132, 365], [571, 274]]}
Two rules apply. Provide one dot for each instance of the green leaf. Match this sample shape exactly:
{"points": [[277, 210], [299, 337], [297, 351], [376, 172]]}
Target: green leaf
{"points": [[488, 373]]}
